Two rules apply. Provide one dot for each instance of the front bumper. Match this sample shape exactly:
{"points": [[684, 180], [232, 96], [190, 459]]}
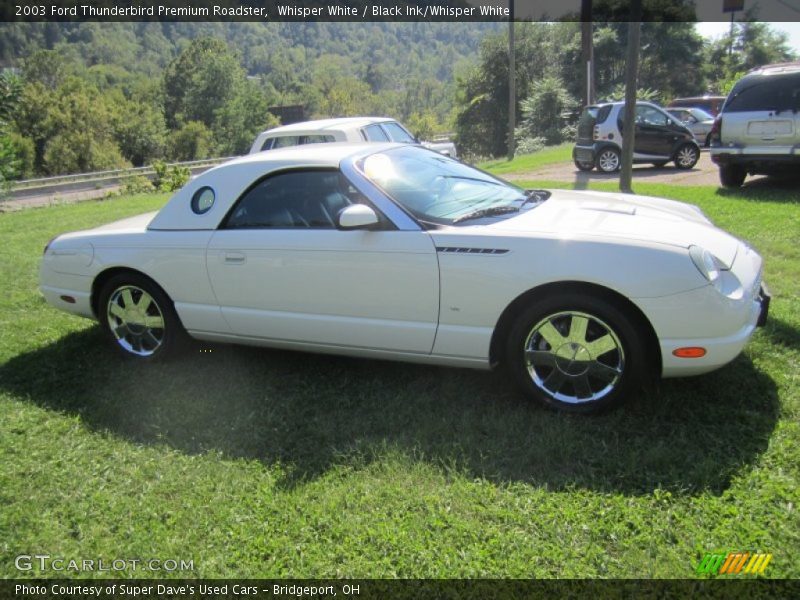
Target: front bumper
{"points": [[583, 153]]}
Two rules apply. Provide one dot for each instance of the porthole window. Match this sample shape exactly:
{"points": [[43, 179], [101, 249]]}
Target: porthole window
{"points": [[203, 200]]}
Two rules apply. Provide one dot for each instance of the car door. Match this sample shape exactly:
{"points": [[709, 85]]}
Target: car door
{"points": [[281, 270], [653, 135]]}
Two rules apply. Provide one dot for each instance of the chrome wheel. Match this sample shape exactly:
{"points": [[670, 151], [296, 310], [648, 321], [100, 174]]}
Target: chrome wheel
{"points": [[608, 161], [135, 320], [574, 357], [686, 157]]}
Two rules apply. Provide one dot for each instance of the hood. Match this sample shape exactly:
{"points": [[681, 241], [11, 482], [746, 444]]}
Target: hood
{"points": [[623, 216]]}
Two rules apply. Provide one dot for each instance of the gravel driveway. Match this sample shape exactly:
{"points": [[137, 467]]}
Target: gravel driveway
{"points": [[704, 173]]}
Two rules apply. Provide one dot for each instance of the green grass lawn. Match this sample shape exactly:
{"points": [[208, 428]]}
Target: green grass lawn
{"points": [[259, 463], [529, 162]]}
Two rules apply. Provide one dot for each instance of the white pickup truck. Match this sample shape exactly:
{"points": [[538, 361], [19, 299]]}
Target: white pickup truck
{"points": [[350, 129]]}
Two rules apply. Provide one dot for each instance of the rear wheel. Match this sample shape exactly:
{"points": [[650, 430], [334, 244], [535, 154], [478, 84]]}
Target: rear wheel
{"points": [[583, 165], [608, 160], [138, 317], [687, 156], [576, 353], [732, 176]]}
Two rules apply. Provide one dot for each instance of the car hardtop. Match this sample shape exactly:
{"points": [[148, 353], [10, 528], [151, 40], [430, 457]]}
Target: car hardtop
{"points": [[310, 127], [621, 104], [230, 179]]}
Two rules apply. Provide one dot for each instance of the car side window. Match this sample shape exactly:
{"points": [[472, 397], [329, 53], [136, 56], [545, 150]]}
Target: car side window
{"points": [[647, 115], [316, 139], [398, 134], [295, 199], [374, 133], [286, 140]]}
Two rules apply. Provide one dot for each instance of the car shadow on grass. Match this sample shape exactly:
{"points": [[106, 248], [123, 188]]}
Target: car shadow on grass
{"points": [[775, 188], [312, 412]]}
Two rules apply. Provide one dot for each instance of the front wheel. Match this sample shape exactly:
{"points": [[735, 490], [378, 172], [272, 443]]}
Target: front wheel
{"points": [[687, 156], [608, 160], [576, 353], [138, 317]]}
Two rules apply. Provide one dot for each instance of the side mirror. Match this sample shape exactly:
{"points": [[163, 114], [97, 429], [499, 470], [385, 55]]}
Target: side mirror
{"points": [[357, 216]]}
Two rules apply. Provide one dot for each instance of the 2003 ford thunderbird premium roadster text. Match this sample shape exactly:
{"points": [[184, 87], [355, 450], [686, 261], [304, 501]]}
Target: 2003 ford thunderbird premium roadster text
{"points": [[393, 251]]}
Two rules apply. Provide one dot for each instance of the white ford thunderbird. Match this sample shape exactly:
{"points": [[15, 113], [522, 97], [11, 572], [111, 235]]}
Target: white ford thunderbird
{"points": [[392, 251]]}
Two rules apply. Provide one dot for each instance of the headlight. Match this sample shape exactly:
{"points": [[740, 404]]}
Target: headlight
{"points": [[708, 265]]}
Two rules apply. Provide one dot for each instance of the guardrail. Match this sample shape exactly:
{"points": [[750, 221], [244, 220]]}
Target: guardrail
{"points": [[105, 176]]}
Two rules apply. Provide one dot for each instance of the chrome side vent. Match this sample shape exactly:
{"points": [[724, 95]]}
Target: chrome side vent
{"points": [[462, 250]]}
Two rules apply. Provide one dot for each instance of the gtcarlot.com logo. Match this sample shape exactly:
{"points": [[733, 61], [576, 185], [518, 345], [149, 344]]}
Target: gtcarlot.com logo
{"points": [[734, 563], [45, 562]]}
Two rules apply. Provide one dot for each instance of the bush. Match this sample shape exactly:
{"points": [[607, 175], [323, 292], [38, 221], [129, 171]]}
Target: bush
{"points": [[190, 142], [137, 185], [169, 178], [542, 110], [528, 145]]}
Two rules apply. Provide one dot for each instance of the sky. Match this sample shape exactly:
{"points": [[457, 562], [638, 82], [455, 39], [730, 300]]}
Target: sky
{"points": [[713, 29]]}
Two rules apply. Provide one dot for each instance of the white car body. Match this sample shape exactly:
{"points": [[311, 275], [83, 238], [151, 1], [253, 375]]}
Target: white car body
{"points": [[345, 129], [410, 293]]}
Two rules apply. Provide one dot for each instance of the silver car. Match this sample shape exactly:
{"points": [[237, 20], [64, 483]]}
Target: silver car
{"points": [[697, 120], [758, 130]]}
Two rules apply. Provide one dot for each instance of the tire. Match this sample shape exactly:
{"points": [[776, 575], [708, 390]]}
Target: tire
{"points": [[732, 176], [138, 318], [584, 166], [608, 160], [593, 360], [659, 164], [687, 156]]}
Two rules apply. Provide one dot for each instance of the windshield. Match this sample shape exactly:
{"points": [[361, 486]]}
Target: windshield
{"points": [[439, 190], [701, 115]]}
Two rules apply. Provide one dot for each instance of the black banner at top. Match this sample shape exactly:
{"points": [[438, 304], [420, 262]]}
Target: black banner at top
{"points": [[389, 10]]}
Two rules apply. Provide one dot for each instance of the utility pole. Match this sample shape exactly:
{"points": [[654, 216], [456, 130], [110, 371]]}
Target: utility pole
{"points": [[587, 49], [631, 71], [512, 82]]}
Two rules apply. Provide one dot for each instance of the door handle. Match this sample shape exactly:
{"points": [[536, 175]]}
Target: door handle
{"points": [[234, 258]]}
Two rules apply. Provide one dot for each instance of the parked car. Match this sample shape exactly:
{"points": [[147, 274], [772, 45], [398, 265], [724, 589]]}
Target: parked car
{"points": [[758, 130], [659, 138], [396, 252], [697, 120], [710, 104], [351, 129]]}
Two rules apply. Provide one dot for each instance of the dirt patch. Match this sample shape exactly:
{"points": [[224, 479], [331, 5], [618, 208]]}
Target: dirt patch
{"points": [[704, 173]]}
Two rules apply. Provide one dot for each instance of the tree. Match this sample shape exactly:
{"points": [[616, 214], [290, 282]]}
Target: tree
{"points": [[243, 117], [750, 44], [191, 142], [542, 110], [203, 79], [142, 133], [11, 165], [79, 128]]}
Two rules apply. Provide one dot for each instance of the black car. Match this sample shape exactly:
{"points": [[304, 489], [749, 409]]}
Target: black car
{"points": [[659, 139]]}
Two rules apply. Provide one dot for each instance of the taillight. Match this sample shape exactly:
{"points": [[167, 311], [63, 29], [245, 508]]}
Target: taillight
{"points": [[715, 135], [596, 133]]}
